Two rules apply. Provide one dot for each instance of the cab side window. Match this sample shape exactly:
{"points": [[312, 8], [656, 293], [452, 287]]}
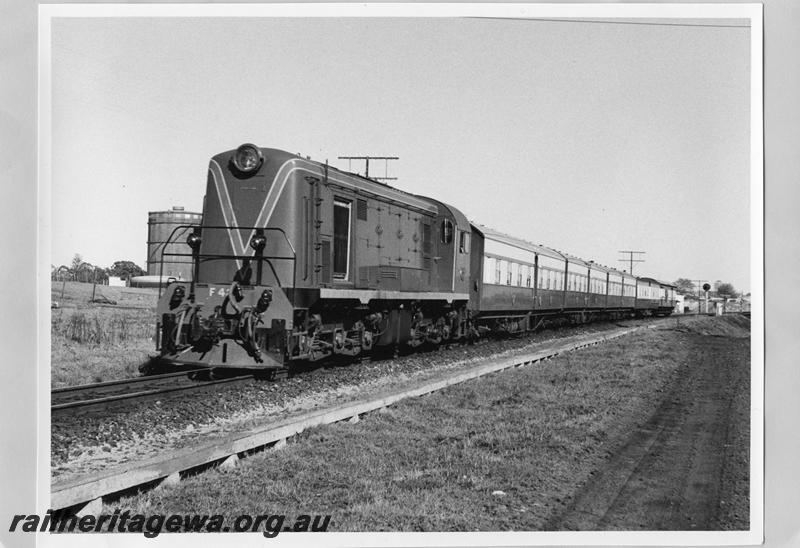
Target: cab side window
{"points": [[447, 231], [463, 242]]}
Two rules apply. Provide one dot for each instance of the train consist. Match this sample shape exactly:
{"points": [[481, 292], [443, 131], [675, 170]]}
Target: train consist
{"points": [[298, 261]]}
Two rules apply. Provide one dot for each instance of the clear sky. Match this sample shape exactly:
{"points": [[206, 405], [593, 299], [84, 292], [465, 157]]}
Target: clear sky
{"points": [[589, 137]]}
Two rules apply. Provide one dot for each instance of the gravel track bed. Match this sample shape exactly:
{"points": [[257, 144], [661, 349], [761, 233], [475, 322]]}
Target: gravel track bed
{"points": [[88, 444]]}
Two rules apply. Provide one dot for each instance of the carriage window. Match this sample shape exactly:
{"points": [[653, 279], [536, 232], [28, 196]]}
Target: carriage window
{"points": [[447, 231], [463, 243], [341, 239], [488, 270]]}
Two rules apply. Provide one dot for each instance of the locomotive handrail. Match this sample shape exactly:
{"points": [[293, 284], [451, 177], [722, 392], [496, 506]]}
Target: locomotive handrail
{"points": [[213, 256]]}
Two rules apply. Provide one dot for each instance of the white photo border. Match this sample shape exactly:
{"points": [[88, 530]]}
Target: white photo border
{"points": [[753, 12]]}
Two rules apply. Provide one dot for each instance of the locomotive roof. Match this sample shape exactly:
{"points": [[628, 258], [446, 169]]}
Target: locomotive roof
{"points": [[380, 186], [461, 219], [352, 180]]}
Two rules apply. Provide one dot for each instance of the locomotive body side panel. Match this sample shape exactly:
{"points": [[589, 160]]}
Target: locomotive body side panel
{"points": [[453, 249]]}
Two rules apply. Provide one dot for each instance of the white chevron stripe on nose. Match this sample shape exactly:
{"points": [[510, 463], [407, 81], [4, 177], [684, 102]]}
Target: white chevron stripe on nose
{"points": [[268, 207], [228, 215]]}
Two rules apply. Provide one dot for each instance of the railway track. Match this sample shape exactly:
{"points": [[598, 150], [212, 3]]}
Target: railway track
{"points": [[87, 492], [104, 396]]}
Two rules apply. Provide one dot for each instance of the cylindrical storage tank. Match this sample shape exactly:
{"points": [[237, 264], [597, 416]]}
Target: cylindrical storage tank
{"points": [[164, 236], [149, 281]]}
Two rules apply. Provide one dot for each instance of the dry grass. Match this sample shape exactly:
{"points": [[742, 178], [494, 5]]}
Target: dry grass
{"points": [[99, 343], [102, 327]]}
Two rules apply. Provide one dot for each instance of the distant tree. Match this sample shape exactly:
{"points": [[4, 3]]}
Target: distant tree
{"points": [[100, 275], [726, 289], [125, 270], [684, 286], [75, 266], [86, 273], [61, 273]]}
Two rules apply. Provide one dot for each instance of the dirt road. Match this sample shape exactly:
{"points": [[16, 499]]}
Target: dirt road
{"points": [[687, 466]]}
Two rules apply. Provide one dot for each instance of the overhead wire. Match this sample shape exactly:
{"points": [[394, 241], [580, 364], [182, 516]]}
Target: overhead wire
{"points": [[611, 22]]}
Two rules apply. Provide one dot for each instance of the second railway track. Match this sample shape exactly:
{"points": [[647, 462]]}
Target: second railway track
{"points": [[103, 396]]}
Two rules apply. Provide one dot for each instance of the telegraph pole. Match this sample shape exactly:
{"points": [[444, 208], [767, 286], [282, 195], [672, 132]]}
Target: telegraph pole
{"points": [[367, 159], [633, 257]]}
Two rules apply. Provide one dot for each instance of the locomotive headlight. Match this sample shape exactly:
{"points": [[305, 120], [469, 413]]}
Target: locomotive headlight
{"points": [[247, 158], [194, 241], [177, 297], [258, 242], [264, 300]]}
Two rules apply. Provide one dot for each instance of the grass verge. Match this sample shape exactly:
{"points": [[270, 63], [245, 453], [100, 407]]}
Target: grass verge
{"points": [[100, 343], [500, 453]]}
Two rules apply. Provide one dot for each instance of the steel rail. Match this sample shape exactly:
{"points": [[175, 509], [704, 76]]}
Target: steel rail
{"points": [[131, 390], [118, 382]]}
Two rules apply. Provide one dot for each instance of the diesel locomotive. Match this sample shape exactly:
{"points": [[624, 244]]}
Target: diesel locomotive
{"points": [[296, 261]]}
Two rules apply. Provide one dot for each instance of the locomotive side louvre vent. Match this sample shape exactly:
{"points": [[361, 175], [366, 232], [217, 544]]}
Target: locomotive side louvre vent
{"points": [[426, 238], [361, 210], [326, 262], [390, 273], [427, 246]]}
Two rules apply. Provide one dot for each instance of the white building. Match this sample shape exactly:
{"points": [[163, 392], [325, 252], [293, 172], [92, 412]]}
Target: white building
{"points": [[116, 281]]}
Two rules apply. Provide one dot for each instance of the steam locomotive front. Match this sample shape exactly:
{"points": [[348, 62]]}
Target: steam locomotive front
{"points": [[236, 310]]}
